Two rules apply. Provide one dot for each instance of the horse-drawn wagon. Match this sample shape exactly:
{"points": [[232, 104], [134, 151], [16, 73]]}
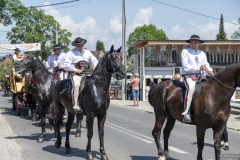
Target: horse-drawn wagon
{"points": [[17, 87]]}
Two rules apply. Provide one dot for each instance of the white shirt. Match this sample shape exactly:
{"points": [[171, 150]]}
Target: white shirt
{"points": [[75, 56], [55, 60], [192, 60], [15, 58]]}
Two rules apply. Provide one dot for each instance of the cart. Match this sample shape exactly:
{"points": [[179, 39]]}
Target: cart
{"points": [[17, 87]]}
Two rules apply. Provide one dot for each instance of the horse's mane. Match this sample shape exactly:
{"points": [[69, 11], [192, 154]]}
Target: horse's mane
{"points": [[225, 71]]}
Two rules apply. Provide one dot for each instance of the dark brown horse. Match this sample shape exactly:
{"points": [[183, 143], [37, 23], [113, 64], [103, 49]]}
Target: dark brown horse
{"points": [[30, 94], [209, 109]]}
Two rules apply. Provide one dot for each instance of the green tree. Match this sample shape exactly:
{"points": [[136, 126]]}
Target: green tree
{"points": [[100, 46], [145, 32], [5, 17], [236, 34], [130, 66], [33, 26], [221, 35]]}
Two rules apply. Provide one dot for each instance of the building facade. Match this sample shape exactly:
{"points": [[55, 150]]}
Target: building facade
{"points": [[162, 59]]}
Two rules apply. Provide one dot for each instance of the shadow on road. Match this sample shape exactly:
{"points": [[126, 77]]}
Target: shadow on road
{"points": [[205, 144], [146, 158]]}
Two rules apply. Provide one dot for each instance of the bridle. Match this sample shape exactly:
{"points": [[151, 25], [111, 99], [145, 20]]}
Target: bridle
{"points": [[110, 62], [25, 63]]}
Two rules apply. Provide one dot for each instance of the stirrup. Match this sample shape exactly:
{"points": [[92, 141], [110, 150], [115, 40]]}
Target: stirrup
{"points": [[77, 109], [187, 118]]}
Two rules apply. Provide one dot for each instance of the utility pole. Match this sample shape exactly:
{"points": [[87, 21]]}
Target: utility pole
{"points": [[124, 47], [56, 33]]}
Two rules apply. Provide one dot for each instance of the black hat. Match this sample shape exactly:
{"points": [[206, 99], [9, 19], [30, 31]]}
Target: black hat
{"points": [[56, 46], [79, 41], [195, 37], [17, 49]]}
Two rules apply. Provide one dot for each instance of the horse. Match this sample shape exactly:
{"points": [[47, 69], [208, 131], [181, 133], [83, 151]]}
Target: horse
{"points": [[209, 109], [94, 100], [30, 94], [44, 82]]}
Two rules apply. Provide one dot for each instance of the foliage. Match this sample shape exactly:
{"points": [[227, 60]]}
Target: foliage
{"points": [[236, 34], [145, 32], [33, 26], [5, 17], [222, 34], [130, 66], [100, 46]]}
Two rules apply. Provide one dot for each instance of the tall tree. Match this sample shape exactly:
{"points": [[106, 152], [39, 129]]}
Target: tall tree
{"points": [[5, 17], [100, 46], [33, 26], [221, 35], [145, 32], [236, 34]]}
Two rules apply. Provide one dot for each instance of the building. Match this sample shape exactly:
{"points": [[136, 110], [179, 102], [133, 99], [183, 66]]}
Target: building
{"points": [[163, 58]]}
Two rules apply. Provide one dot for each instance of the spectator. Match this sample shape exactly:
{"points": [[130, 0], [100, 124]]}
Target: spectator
{"points": [[224, 139], [151, 83], [159, 80], [135, 88]]}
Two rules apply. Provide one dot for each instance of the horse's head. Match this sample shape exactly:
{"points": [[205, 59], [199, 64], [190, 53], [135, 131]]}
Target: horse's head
{"points": [[115, 65], [24, 64]]}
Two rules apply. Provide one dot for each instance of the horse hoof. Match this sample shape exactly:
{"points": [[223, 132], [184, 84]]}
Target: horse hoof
{"points": [[104, 157], [167, 156], [40, 140], [69, 150], [57, 145], [161, 158], [78, 135], [89, 156]]}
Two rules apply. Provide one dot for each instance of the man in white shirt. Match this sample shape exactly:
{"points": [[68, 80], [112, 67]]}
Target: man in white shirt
{"points": [[73, 57], [56, 60], [16, 56], [193, 62]]}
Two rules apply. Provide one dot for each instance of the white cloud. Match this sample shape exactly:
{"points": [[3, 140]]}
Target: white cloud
{"points": [[115, 24], [205, 31], [142, 17]]}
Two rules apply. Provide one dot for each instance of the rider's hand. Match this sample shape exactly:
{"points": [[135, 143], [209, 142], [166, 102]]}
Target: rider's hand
{"points": [[211, 73], [203, 67], [78, 71]]}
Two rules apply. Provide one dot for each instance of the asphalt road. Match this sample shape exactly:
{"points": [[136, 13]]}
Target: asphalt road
{"points": [[127, 137]]}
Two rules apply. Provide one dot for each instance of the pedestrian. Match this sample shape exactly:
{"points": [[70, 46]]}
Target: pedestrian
{"points": [[151, 83], [56, 61], [159, 80], [72, 63], [224, 139], [194, 61], [135, 88]]}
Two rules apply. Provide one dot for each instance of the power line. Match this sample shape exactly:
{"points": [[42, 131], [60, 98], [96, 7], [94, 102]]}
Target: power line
{"points": [[68, 6], [55, 4], [192, 12]]}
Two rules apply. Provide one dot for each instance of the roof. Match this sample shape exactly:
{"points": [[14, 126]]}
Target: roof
{"points": [[142, 43]]}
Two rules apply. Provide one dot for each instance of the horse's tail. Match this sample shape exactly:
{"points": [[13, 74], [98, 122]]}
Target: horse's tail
{"points": [[150, 93]]}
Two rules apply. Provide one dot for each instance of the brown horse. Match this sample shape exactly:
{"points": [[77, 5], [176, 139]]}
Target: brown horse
{"points": [[30, 94], [209, 109]]}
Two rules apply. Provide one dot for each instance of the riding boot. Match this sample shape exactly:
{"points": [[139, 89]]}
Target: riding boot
{"points": [[187, 118], [78, 109]]}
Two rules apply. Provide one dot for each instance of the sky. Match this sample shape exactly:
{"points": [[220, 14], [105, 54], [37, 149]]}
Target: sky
{"points": [[102, 19]]}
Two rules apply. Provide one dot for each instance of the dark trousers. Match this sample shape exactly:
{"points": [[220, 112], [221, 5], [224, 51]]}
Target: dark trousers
{"points": [[225, 135]]}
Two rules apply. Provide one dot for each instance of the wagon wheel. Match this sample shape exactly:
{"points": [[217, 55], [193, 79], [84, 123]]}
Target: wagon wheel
{"points": [[13, 101]]}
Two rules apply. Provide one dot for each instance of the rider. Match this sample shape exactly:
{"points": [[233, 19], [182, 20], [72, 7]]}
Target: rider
{"points": [[56, 60], [193, 62], [73, 57], [16, 56]]}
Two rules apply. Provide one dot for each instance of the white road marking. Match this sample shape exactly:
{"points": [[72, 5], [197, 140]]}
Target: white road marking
{"points": [[140, 136]]}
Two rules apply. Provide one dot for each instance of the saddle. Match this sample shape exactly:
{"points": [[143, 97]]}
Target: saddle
{"points": [[83, 65]]}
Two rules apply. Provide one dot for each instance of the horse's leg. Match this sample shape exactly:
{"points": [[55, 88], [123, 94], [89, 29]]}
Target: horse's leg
{"points": [[57, 126], [79, 125], [101, 121], [90, 120], [217, 142], [43, 120], [68, 128], [200, 140], [166, 133], [33, 108], [159, 120]]}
